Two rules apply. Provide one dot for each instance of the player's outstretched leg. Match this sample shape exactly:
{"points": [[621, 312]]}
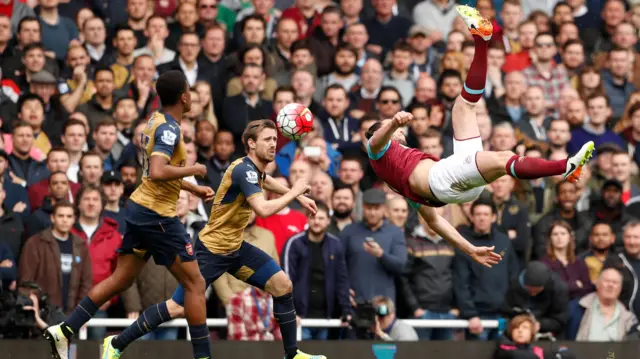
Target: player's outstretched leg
{"points": [[463, 115], [493, 165], [280, 287], [59, 336]]}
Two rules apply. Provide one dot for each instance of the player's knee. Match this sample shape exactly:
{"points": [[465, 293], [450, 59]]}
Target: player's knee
{"points": [[195, 283], [175, 310], [505, 156], [281, 285]]}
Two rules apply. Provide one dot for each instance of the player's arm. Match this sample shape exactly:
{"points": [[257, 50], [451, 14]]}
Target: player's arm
{"points": [[482, 255], [272, 185], [165, 139], [204, 192], [381, 137]]}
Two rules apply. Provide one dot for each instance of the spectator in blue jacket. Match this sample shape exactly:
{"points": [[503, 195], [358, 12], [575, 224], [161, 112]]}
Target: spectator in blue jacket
{"points": [[316, 265], [480, 292], [8, 269], [375, 250]]}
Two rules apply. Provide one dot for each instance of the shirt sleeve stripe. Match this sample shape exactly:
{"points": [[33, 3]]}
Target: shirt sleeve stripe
{"points": [[377, 156]]}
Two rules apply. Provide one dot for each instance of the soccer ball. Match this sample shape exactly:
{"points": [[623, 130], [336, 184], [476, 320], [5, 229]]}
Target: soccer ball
{"points": [[295, 121]]}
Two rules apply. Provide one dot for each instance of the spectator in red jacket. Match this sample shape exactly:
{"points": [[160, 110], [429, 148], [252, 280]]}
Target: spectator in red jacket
{"points": [[103, 238], [57, 161], [303, 13], [283, 224]]}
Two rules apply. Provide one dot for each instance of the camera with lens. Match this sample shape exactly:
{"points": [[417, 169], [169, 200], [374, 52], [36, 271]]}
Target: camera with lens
{"points": [[17, 320]]}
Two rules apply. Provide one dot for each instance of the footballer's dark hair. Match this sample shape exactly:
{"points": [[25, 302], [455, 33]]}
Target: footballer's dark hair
{"points": [[171, 86], [483, 201], [253, 129]]}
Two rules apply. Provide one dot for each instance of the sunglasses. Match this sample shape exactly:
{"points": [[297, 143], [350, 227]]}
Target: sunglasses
{"points": [[386, 102]]}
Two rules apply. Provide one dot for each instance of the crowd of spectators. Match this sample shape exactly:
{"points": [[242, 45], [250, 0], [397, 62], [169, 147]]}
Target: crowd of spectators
{"points": [[78, 86]]}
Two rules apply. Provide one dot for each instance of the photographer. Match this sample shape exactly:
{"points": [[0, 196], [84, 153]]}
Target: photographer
{"points": [[387, 327], [25, 312]]}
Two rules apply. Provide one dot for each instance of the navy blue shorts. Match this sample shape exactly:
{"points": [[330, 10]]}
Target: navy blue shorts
{"points": [[149, 234], [249, 264]]}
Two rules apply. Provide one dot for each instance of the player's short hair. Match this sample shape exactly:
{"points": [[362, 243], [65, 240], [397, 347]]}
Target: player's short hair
{"points": [[103, 68], [563, 182], [335, 86], [122, 27], [401, 45], [482, 201], [339, 185], [323, 207], [332, 9], [449, 73], [251, 66], [511, 2], [20, 124], [560, 4], [301, 45], [88, 154], [62, 204], [253, 17], [284, 88], [105, 122], [29, 97], [615, 48], [73, 122], [32, 46], [142, 56], [348, 48], [596, 95], [28, 19], [152, 17], [90, 188], [253, 129], [171, 86], [571, 43], [432, 132], [57, 149]]}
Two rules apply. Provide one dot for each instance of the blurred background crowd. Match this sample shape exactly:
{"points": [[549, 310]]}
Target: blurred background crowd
{"points": [[78, 86]]}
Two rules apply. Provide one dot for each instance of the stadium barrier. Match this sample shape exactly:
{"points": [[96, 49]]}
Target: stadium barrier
{"points": [[304, 323], [222, 349]]}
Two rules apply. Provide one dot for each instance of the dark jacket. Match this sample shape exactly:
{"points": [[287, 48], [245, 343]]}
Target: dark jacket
{"points": [[296, 263], [509, 350], [515, 216], [323, 51], [7, 274], [236, 117], [550, 307], [40, 219], [525, 127], [581, 225], [15, 193], [477, 289], [498, 110], [12, 233], [617, 218], [41, 264], [428, 280], [37, 192], [630, 285], [36, 171], [575, 275]]}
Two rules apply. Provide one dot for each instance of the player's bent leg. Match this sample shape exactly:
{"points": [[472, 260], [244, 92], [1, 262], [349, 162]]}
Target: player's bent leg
{"points": [[463, 121], [59, 336], [188, 274]]}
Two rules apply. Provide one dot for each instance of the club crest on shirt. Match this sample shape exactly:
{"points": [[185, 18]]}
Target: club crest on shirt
{"points": [[189, 248], [168, 137], [252, 177]]}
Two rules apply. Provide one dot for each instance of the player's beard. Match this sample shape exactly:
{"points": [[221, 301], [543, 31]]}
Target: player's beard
{"points": [[342, 214]]}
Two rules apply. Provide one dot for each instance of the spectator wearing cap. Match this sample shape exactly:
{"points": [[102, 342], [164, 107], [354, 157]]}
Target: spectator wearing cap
{"points": [[601, 316], [44, 84], [374, 248], [386, 27], [435, 15], [565, 209], [103, 239], [427, 285], [57, 31], [102, 104], [426, 59], [601, 242], [57, 161], [315, 262], [480, 293], [541, 293], [628, 262], [342, 205], [113, 188], [288, 221], [11, 229], [609, 208]]}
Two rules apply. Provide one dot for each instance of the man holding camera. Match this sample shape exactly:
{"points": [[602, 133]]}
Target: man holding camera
{"points": [[387, 326]]}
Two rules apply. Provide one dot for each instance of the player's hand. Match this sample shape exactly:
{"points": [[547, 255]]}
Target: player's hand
{"points": [[301, 187], [308, 203], [206, 193], [199, 170], [485, 256], [402, 118]]}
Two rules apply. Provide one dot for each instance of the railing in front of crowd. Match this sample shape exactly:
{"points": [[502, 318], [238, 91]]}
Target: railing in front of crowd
{"points": [[304, 323]]}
